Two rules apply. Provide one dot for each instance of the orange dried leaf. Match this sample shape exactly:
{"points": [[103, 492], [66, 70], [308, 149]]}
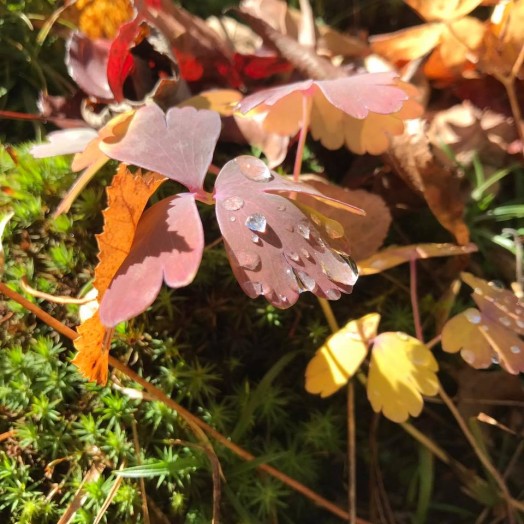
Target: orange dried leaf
{"points": [[337, 360], [443, 10], [127, 198], [402, 369], [223, 101], [396, 255]]}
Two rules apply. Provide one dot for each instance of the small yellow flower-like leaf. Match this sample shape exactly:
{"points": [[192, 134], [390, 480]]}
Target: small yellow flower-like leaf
{"points": [[402, 369], [341, 355]]}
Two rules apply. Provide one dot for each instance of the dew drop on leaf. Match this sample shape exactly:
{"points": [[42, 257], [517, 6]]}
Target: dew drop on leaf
{"points": [[515, 350], [289, 227], [304, 230], [316, 219], [495, 359], [333, 294], [248, 260], [292, 255], [305, 281], [333, 232], [257, 223], [520, 323], [473, 316], [257, 287], [505, 321], [305, 253], [232, 219], [281, 208], [256, 239], [233, 203], [254, 169]]}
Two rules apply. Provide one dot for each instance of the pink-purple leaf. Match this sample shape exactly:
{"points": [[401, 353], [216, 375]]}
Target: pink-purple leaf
{"points": [[64, 142], [168, 246], [275, 250], [87, 63], [178, 144]]}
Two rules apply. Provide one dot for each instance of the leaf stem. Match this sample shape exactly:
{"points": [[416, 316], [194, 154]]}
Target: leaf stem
{"points": [[307, 102], [414, 298], [183, 412], [497, 477]]}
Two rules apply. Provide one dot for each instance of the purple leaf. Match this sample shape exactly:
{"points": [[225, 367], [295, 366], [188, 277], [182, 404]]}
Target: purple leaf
{"points": [[87, 62], [178, 144], [168, 246], [274, 249]]}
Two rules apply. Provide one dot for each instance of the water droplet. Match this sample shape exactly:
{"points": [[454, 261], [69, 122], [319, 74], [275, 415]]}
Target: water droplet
{"points": [[289, 227], [351, 263], [256, 222], [292, 255], [377, 264], [519, 311], [520, 324], [478, 291], [233, 203], [256, 239], [334, 230], [402, 336], [502, 307], [515, 349], [484, 327], [505, 321], [256, 288], [333, 294], [316, 219], [305, 253], [281, 208], [473, 316], [254, 169], [304, 230], [232, 219], [495, 359], [305, 281], [283, 299], [248, 260], [468, 356]]}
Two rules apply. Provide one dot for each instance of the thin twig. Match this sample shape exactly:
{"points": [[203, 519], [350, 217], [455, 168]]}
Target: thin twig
{"points": [[183, 412], [497, 477], [414, 298], [352, 455], [57, 299]]}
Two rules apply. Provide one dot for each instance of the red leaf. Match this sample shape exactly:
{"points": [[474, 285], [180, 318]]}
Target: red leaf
{"points": [[178, 144], [168, 246], [273, 247], [260, 66], [86, 61], [120, 62]]}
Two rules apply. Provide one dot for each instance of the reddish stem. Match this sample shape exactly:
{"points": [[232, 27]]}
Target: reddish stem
{"points": [[414, 298], [307, 101]]}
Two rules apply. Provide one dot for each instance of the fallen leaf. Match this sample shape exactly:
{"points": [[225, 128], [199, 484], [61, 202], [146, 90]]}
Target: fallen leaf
{"points": [[412, 159], [337, 360], [396, 255], [127, 197], [402, 369], [443, 9]]}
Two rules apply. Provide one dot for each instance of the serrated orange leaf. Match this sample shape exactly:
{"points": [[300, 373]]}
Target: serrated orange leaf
{"points": [[402, 369], [337, 360], [396, 255], [127, 197]]}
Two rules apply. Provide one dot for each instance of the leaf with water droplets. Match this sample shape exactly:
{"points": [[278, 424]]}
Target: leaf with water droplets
{"points": [[168, 245], [499, 304], [290, 252], [402, 369], [491, 334], [337, 360], [396, 255], [178, 144]]}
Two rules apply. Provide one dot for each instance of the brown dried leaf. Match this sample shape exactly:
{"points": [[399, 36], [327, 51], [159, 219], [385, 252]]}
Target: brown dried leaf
{"points": [[396, 255], [411, 157]]}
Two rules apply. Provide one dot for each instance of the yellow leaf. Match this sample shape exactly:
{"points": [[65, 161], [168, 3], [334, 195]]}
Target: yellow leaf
{"points": [[341, 355], [223, 101], [402, 369], [127, 197]]}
